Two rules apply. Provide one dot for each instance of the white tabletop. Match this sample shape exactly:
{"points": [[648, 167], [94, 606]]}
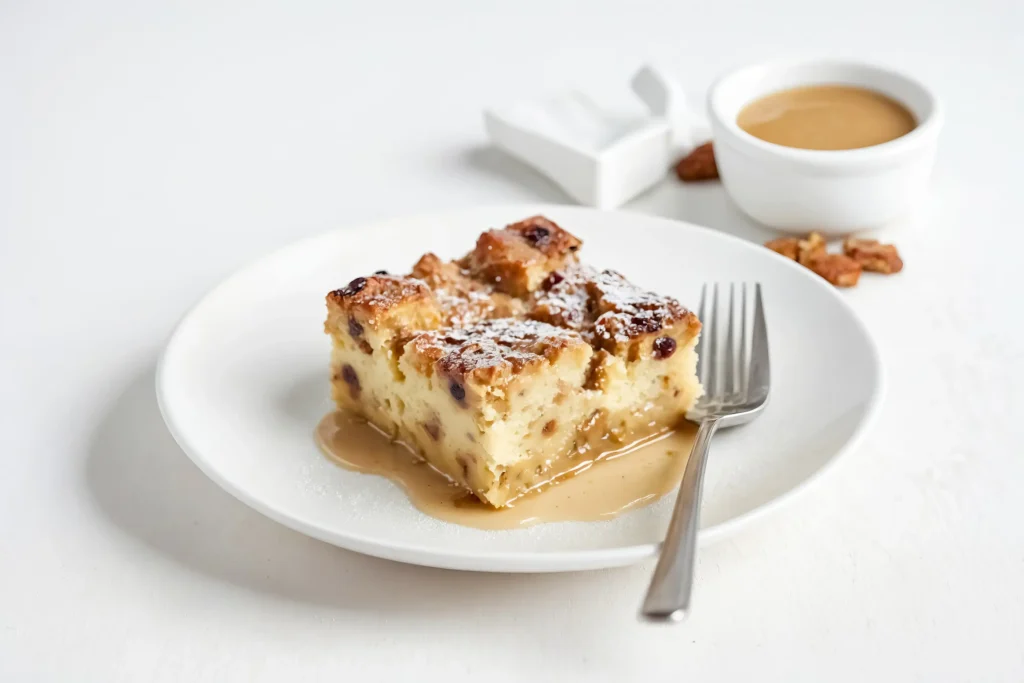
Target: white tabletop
{"points": [[146, 151]]}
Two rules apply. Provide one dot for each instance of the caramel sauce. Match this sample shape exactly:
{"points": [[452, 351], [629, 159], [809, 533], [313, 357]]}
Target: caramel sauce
{"points": [[826, 117], [618, 481]]}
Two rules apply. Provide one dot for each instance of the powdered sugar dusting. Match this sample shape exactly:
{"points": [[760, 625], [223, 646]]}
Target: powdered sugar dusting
{"points": [[504, 344], [604, 306]]}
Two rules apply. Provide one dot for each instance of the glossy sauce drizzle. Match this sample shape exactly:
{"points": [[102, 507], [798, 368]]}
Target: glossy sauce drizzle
{"points": [[617, 482]]}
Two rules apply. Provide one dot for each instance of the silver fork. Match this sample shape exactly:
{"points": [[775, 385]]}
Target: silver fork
{"points": [[735, 392]]}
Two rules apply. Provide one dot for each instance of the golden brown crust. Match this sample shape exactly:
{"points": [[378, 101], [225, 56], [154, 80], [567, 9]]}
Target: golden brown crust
{"points": [[610, 312], [488, 335], [546, 236], [517, 258], [874, 256], [490, 353], [625, 312], [462, 299], [376, 294], [435, 272], [562, 299], [382, 300]]}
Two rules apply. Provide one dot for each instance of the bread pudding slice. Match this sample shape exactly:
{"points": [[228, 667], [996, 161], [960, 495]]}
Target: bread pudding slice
{"points": [[514, 364]]}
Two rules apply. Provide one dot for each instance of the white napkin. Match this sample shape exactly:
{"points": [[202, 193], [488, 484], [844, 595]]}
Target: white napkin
{"points": [[601, 157]]}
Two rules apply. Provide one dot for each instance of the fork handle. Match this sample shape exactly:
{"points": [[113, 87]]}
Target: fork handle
{"points": [[668, 597]]}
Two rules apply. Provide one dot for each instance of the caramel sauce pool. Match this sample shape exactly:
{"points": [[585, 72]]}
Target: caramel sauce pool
{"points": [[828, 117], [617, 482]]}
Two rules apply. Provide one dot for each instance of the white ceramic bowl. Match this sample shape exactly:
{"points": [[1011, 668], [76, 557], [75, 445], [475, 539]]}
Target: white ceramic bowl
{"points": [[834, 192]]}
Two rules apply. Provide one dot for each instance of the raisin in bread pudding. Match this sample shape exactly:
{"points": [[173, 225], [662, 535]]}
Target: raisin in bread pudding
{"points": [[514, 364]]}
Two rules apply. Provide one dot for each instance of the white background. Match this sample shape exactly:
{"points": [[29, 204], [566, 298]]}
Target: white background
{"points": [[146, 151]]}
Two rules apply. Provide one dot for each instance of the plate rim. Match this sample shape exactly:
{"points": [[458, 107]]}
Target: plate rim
{"points": [[520, 561]]}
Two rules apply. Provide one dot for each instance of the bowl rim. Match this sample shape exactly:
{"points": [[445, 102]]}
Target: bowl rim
{"points": [[922, 135]]}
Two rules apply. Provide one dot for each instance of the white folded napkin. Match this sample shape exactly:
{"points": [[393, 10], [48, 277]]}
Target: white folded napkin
{"points": [[601, 157]]}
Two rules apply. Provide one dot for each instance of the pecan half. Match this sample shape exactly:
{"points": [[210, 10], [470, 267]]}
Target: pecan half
{"points": [[698, 165], [787, 246], [840, 270], [874, 256], [811, 248]]}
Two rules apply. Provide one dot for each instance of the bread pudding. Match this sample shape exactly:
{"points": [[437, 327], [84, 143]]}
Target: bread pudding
{"points": [[514, 364]]}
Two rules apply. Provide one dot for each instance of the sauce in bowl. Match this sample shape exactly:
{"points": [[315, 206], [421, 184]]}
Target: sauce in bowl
{"points": [[826, 117]]}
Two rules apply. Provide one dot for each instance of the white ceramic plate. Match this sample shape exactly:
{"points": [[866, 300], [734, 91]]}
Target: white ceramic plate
{"points": [[243, 382]]}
